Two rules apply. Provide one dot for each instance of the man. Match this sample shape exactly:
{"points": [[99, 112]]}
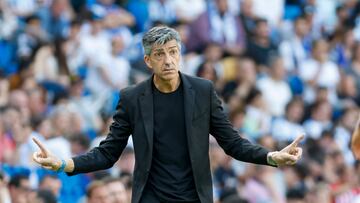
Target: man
{"points": [[51, 183], [97, 192], [20, 190], [116, 189], [355, 140], [170, 117]]}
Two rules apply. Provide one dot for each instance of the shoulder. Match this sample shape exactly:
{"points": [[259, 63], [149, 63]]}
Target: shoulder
{"points": [[197, 82], [134, 91]]}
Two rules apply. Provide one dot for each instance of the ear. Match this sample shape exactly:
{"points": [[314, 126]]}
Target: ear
{"points": [[147, 61]]}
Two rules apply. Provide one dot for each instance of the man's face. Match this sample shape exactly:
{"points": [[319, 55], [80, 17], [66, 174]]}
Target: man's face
{"points": [[117, 192], [164, 60], [100, 195], [302, 27], [320, 51], [20, 194], [262, 29], [222, 5], [51, 183]]}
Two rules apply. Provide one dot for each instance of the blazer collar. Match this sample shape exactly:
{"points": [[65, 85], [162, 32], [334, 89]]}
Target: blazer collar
{"points": [[149, 83]]}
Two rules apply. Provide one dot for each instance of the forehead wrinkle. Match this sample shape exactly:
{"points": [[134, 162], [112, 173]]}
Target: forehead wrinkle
{"points": [[166, 46]]}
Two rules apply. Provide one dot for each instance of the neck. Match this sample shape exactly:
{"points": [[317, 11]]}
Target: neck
{"points": [[166, 86]]}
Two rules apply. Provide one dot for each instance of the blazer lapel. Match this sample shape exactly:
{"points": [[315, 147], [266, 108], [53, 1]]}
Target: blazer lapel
{"points": [[189, 105], [147, 112]]}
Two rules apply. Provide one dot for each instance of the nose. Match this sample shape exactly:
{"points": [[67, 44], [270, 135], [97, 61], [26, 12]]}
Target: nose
{"points": [[167, 59]]}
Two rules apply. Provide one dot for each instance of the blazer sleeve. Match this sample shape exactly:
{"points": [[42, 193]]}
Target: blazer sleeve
{"points": [[109, 150], [229, 139]]}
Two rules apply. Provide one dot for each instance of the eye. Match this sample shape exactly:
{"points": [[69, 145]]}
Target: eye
{"points": [[159, 54], [173, 52]]}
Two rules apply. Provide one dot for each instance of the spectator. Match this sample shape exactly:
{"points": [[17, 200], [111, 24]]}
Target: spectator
{"points": [[260, 48], [20, 190], [342, 46], [343, 133], [126, 163], [273, 15], [212, 54], [44, 66], [97, 192], [276, 91], [45, 196], [354, 68], [319, 120], [248, 17], [189, 10], [74, 55], [285, 128], [237, 117], [8, 21], [60, 123], [79, 144], [114, 16], [110, 74], [319, 71], [26, 147], [211, 25], [59, 17], [245, 79], [348, 95], [31, 38], [23, 8], [117, 190], [163, 11], [207, 70], [257, 120], [51, 183], [94, 40], [296, 49]]}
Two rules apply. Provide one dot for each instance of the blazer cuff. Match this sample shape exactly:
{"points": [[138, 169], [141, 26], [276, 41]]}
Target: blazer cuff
{"points": [[270, 160]]}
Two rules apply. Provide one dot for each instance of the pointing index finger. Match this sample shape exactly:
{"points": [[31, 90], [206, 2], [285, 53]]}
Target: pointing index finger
{"points": [[40, 145], [297, 140]]}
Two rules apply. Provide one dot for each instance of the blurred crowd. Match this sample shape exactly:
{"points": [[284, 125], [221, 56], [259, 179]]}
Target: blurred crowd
{"points": [[281, 67]]}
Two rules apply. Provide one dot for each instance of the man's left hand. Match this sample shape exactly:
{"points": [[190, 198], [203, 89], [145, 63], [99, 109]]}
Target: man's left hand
{"points": [[287, 156]]}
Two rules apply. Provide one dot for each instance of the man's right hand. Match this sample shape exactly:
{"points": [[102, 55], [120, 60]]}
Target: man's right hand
{"points": [[287, 156], [45, 158]]}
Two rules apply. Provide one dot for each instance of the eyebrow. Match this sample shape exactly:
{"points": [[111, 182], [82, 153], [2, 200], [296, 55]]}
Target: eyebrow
{"points": [[159, 50], [162, 49]]}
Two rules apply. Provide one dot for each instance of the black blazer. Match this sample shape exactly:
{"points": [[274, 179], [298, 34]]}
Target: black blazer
{"points": [[204, 115]]}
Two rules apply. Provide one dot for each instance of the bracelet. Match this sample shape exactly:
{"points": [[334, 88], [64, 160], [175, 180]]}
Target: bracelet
{"points": [[62, 167]]}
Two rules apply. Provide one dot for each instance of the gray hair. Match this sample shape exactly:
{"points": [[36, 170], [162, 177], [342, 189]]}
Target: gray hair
{"points": [[159, 36]]}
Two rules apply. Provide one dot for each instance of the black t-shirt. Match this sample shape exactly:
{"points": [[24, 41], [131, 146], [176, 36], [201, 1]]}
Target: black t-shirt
{"points": [[260, 54], [171, 177]]}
